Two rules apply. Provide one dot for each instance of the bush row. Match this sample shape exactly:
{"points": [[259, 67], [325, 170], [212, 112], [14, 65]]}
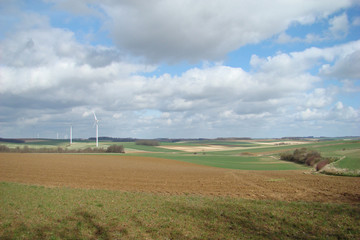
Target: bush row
{"points": [[26, 149], [307, 157], [115, 149]]}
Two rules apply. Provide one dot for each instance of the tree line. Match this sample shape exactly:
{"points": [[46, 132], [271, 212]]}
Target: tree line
{"points": [[308, 157], [26, 149]]}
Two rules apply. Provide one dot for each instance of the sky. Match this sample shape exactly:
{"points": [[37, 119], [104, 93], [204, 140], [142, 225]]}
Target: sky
{"points": [[179, 68]]}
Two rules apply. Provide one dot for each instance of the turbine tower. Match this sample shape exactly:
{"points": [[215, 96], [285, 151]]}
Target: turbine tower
{"points": [[70, 134], [97, 129]]}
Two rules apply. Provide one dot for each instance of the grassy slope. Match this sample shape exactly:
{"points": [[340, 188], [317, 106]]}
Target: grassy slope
{"points": [[30, 212], [348, 151], [351, 161]]}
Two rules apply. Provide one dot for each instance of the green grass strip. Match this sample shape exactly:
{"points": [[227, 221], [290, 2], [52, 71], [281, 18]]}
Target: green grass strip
{"points": [[230, 162]]}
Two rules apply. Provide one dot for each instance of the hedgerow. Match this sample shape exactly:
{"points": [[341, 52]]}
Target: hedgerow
{"points": [[308, 157], [26, 149]]}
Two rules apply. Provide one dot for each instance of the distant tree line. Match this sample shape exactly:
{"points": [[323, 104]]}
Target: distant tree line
{"points": [[147, 142], [297, 138], [111, 139], [307, 157], [11, 140], [128, 139], [233, 138], [26, 149]]}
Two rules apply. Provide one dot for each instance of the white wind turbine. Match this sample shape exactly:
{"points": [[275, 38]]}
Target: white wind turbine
{"points": [[70, 134], [97, 129]]}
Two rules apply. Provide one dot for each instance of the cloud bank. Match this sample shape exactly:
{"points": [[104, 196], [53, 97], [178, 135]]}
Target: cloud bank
{"points": [[50, 79], [202, 30]]}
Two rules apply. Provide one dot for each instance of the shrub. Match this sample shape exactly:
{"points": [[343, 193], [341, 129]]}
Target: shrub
{"points": [[115, 149], [299, 155], [286, 156], [25, 149], [312, 158], [322, 164], [303, 156], [314, 154], [311, 161], [4, 148]]}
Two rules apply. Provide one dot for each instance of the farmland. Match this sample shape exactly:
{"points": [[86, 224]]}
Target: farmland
{"points": [[183, 190], [157, 175]]}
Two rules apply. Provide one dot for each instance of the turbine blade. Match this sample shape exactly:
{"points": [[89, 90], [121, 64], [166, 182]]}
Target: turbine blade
{"points": [[95, 116]]}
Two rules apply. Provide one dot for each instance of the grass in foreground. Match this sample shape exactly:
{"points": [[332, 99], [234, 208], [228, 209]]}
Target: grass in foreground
{"points": [[32, 212]]}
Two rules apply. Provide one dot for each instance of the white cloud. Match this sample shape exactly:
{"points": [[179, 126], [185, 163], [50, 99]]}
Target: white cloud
{"points": [[319, 98], [50, 59], [197, 96], [346, 67], [338, 28], [356, 21], [341, 112], [48, 76], [338, 113], [349, 86], [339, 25], [311, 114], [285, 38], [179, 30]]}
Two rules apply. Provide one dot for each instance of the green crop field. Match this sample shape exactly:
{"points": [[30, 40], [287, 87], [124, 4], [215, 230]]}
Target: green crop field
{"points": [[351, 160], [231, 162]]}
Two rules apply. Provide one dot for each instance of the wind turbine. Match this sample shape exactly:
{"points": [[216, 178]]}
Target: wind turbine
{"points": [[70, 134], [97, 129]]}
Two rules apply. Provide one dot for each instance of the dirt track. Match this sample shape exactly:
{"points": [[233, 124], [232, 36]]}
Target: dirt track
{"points": [[128, 173]]}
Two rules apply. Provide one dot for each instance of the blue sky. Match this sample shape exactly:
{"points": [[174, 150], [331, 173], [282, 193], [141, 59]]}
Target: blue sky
{"points": [[180, 68]]}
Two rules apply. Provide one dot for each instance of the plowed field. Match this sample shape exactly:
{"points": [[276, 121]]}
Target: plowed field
{"points": [[146, 174]]}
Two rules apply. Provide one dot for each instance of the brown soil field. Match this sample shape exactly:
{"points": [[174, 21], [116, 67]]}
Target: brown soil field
{"points": [[156, 175]]}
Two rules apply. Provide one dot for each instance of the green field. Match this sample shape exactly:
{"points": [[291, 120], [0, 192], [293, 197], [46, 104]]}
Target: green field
{"points": [[32, 212], [231, 162], [351, 161]]}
